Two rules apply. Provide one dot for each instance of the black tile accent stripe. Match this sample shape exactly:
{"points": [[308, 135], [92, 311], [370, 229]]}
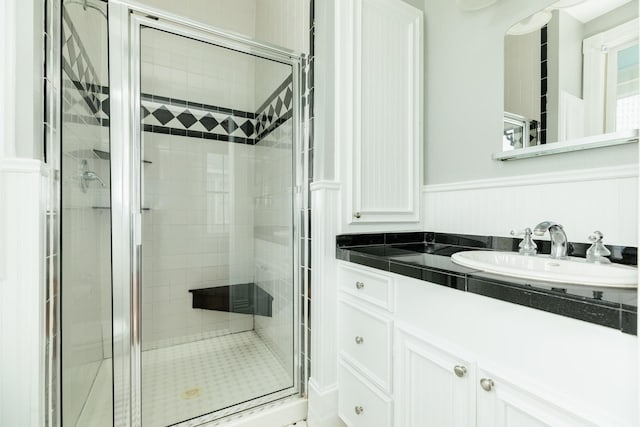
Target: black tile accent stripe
{"points": [[276, 109], [542, 137], [415, 255], [172, 115], [185, 118]]}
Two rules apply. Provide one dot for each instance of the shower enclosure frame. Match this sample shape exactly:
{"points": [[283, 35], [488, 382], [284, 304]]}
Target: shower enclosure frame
{"points": [[126, 19]]}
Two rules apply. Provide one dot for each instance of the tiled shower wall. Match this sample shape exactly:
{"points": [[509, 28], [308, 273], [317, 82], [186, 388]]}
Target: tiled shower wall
{"points": [[198, 229], [85, 241], [308, 89], [272, 239], [90, 85]]}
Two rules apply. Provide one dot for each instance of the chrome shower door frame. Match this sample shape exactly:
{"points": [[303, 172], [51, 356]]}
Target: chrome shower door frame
{"points": [[126, 20]]}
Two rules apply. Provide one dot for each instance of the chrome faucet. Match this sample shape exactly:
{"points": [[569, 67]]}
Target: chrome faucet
{"points": [[558, 238]]}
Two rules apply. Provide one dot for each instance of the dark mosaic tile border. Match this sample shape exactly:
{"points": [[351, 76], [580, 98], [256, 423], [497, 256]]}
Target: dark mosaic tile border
{"points": [[392, 252]]}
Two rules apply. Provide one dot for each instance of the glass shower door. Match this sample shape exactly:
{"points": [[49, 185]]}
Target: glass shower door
{"points": [[217, 309]]}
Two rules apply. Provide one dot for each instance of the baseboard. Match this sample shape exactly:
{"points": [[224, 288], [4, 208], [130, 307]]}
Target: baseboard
{"points": [[323, 406]]}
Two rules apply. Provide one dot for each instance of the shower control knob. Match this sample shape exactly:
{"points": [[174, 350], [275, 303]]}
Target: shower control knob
{"points": [[486, 384], [460, 371], [359, 410], [356, 215], [359, 340], [359, 285]]}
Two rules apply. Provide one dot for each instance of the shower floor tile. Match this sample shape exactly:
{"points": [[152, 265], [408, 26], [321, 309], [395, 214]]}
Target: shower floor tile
{"points": [[193, 379]]}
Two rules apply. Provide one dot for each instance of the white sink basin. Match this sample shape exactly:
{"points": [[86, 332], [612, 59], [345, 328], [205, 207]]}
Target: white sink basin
{"points": [[541, 267]]}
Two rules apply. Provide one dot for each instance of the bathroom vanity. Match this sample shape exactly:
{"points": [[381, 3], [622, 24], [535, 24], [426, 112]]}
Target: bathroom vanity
{"points": [[426, 342]]}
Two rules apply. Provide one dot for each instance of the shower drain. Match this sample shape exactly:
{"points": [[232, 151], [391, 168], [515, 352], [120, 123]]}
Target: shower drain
{"points": [[191, 393]]}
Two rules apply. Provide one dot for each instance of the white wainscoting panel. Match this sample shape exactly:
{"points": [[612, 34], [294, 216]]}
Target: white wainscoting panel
{"points": [[604, 199], [22, 297], [381, 107], [323, 384]]}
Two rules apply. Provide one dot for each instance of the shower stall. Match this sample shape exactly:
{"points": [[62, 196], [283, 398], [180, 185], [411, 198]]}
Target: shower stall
{"points": [[181, 185]]}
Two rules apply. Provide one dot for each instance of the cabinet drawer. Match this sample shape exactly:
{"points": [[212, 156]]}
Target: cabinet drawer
{"points": [[364, 339], [359, 403], [367, 285]]}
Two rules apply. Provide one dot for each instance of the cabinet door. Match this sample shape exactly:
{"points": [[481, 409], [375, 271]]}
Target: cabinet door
{"points": [[385, 126], [434, 386], [502, 403]]}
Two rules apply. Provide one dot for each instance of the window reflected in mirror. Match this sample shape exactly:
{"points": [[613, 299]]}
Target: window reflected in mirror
{"points": [[571, 71]]}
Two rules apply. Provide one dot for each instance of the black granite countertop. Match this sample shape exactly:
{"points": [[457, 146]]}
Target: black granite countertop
{"points": [[427, 256]]}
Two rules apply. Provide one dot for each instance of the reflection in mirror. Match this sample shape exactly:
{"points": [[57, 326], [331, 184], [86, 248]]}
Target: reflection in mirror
{"points": [[571, 73]]}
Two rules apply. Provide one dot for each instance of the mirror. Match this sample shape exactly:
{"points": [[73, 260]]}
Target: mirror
{"points": [[571, 78]]}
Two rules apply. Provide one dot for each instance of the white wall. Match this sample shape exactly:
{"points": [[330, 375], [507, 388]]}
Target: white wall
{"points": [[611, 19], [464, 97], [283, 23], [516, 194], [234, 15], [522, 75], [28, 77], [564, 67]]}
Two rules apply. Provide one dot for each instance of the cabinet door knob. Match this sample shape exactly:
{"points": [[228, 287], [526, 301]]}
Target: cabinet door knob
{"points": [[356, 214], [359, 285], [359, 410], [459, 370], [486, 384], [359, 340]]}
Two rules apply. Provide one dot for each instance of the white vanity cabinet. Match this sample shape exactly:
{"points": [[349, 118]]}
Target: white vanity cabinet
{"points": [[365, 334], [381, 87], [502, 403], [445, 358], [435, 385]]}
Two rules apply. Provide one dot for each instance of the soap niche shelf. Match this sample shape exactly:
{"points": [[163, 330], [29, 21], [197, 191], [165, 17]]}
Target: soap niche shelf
{"points": [[109, 207], [105, 155]]}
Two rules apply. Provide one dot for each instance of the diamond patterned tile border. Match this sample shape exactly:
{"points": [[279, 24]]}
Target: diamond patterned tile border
{"points": [[77, 65], [175, 116]]}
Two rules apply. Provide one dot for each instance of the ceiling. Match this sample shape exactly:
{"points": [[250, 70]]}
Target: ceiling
{"points": [[591, 9]]}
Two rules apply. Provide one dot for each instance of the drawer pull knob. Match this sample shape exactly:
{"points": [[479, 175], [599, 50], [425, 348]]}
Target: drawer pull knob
{"points": [[356, 214], [486, 384], [359, 285], [460, 371], [359, 410], [359, 340]]}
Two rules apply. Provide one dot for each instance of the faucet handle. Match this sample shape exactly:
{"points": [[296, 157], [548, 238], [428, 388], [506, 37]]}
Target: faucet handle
{"points": [[598, 251], [527, 245], [597, 236]]}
